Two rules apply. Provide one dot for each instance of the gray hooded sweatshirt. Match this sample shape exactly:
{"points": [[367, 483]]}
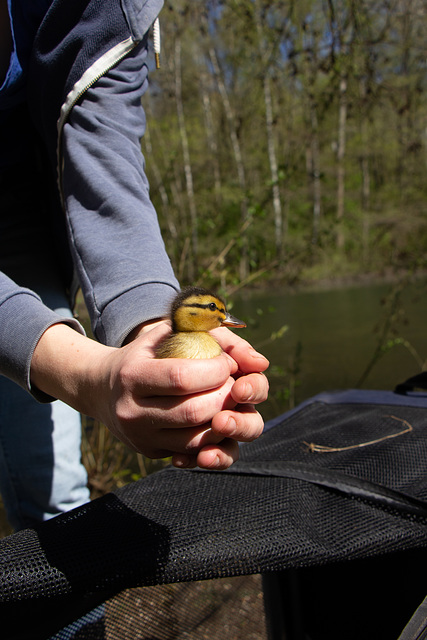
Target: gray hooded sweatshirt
{"points": [[83, 86]]}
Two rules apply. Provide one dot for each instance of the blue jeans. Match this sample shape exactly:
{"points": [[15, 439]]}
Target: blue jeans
{"points": [[41, 474]]}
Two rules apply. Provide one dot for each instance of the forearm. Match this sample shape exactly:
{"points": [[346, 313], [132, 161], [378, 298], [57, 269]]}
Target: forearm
{"points": [[67, 365], [118, 251], [23, 319]]}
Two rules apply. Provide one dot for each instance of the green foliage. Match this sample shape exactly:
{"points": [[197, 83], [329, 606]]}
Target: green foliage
{"points": [[389, 332], [284, 383], [367, 139]]}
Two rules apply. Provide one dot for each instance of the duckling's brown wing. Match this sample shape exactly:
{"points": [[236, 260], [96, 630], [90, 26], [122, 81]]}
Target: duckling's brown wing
{"points": [[192, 344]]}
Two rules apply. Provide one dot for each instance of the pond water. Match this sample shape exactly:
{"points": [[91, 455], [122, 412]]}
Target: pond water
{"points": [[331, 338]]}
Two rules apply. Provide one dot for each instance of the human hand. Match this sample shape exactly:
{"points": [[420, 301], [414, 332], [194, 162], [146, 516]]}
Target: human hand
{"points": [[214, 419], [194, 411], [242, 422]]}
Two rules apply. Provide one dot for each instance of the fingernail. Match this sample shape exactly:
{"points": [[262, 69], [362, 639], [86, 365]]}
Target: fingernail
{"points": [[182, 462], [259, 356], [231, 426]]}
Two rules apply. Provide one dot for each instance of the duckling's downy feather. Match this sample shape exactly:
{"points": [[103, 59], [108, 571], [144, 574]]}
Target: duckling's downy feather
{"points": [[190, 344], [193, 313]]}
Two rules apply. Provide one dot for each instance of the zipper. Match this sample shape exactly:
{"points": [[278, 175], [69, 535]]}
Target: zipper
{"points": [[98, 69]]}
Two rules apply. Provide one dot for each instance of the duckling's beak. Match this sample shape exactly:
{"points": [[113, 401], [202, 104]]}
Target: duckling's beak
{"points": [[231, 321]]}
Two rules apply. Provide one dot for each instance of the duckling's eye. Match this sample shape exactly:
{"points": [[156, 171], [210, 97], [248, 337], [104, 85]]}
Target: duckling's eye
{"points": [[212, 306]]}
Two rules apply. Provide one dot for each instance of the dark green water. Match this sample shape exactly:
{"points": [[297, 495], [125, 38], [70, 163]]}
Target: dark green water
{"points": [[337, 333]]}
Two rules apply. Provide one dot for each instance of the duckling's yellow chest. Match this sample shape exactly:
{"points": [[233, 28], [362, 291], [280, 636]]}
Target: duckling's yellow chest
{"points": [[189, 344]]}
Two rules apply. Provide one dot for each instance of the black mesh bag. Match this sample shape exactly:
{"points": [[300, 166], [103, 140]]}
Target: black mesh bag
{"points": [[329, 505]]}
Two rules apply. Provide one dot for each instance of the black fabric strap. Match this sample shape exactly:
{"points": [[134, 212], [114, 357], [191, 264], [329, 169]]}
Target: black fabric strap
{"points": [[352, 486]]}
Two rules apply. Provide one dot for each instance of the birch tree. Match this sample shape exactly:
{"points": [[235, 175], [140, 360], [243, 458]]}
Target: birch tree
{"points": [[192, 262]]}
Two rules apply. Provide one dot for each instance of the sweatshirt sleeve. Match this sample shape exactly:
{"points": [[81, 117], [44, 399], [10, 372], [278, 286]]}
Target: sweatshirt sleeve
{"points": [[23, 320], [118, 252]]}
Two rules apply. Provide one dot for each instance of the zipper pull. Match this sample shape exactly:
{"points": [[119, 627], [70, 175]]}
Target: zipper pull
{"points": [[156, 40]]}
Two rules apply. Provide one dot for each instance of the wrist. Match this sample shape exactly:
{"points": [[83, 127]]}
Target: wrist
{"points": [[68, 366]]}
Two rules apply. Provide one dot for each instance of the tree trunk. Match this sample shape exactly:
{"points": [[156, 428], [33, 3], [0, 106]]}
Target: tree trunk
{"points": [[314, 171], [277, 205], [342, 125], [366, 177], [192, 261], [211, 137], [244, 209], [265, 53]]}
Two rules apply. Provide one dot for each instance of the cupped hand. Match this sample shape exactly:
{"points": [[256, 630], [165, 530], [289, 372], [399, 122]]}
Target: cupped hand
{"points": [[163, 406], [241, 423], [193, 410]]}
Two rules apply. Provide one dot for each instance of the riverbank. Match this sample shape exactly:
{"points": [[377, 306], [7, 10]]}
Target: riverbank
{"points": [[336, 281]]}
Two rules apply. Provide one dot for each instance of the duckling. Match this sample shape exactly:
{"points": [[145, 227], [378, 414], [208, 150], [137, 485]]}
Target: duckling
{"points": [[193, 313]]}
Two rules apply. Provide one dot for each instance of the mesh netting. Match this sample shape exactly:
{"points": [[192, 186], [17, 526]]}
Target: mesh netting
{"points": [[284, 506], [228, 607]]}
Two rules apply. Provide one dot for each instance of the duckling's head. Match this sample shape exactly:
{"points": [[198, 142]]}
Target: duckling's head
{"points": [[196, 309]]}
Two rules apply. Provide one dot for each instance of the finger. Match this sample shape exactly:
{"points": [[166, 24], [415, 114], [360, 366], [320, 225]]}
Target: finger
{"points": [[178, 376], [210, 457], [218, 457], [187, 441], [184, 461], [177, 412], [243, 424], [250, 388], [248, 359]]}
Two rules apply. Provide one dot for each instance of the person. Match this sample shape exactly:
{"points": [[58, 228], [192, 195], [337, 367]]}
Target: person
{"points": [[76, 212]]}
